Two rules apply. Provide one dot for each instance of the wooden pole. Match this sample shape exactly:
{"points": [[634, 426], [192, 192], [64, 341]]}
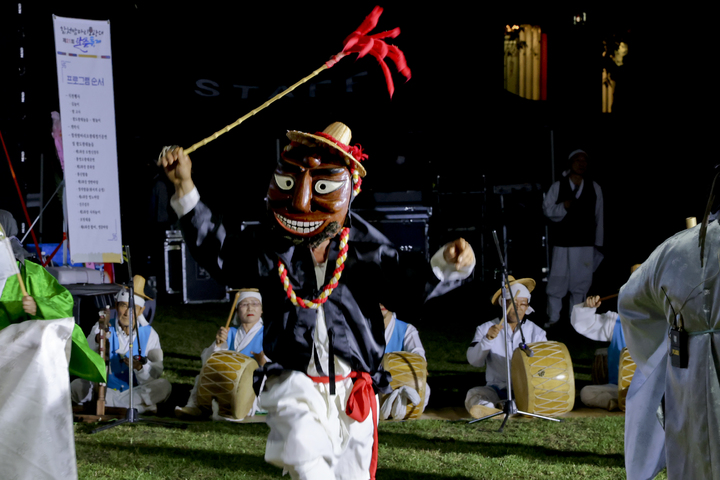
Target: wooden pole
{"points": [[609, 297], [102, 387]]}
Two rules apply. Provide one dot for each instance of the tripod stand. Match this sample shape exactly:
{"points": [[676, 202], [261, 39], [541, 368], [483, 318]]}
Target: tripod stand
{"points": [[132, 415], [509, 406]]}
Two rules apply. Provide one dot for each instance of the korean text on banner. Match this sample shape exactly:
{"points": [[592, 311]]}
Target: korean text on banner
{"points": [[87, 111]]}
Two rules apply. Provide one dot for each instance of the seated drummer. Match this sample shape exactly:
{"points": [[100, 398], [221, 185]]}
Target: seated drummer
{"points": [[148, 388], [604, 327], [247, 340], [401, 337], [487, 348]]}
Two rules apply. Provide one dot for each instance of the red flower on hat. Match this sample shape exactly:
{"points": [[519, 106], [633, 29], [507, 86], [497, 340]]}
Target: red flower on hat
{"points": [[355, 150]]}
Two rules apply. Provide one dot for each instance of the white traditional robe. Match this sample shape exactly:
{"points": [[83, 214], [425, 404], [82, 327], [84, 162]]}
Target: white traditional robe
{"points": [[411, 339], [38, 439], [600, 327], [690, 443], [242, 340], [412, 344], [572, 268], [151, 388], [492, 354]]}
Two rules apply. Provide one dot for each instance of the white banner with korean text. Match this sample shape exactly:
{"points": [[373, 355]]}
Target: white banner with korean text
{"points": [[87, 114]]}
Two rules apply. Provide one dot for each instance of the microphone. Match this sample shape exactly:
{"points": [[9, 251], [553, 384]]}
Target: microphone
{"points": [[527, 350]]}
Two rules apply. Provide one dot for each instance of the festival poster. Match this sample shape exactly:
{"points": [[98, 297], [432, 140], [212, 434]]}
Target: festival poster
{"points": [[87, 114]]}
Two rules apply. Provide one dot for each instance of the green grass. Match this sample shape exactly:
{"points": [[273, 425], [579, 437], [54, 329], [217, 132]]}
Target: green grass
{"points": [[589, 448]]}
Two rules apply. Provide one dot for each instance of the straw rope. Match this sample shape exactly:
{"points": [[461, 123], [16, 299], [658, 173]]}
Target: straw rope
{"points": [[327, 291], [357, 181]]}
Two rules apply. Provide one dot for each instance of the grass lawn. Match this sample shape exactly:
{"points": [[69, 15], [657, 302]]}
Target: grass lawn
{"points": [[421, 449]]}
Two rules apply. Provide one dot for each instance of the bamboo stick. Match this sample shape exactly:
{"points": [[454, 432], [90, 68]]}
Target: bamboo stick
{"points": [[261, 107], [232, 310]]}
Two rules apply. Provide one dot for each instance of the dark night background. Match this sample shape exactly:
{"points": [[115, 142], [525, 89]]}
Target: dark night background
{"points": [[451, 132]]}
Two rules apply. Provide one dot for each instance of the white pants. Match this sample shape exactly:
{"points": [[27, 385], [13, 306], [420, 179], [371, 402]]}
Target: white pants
{"points": [[571, 271], [311, 437], [146, 395], [486, 396]]}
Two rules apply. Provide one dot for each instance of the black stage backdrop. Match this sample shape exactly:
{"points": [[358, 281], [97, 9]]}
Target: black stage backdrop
{"points": [[451, 132]]}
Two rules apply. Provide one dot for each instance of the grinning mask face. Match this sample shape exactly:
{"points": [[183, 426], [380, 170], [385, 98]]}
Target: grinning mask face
{"points": [[309, 194]]}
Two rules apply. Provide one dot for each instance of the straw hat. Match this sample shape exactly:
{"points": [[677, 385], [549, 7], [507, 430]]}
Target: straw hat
{"points": [[139, 287], [341, 135], [528, 282]]}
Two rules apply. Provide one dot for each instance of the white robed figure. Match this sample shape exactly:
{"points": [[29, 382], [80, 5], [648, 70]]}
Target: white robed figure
{"points": [[690, 443]]}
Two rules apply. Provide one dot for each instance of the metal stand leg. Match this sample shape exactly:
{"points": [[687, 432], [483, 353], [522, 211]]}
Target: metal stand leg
{"points": [[133, 417]]}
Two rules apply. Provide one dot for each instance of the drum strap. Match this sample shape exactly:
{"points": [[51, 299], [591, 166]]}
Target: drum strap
{"points": [[359, 404]]}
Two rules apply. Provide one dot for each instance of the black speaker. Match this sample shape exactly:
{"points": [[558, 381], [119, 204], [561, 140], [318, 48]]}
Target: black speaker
{"points": [[183, 274], [405, 226]]}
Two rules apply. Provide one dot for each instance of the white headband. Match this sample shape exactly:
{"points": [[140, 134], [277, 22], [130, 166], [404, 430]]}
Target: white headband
{"points": [[522, 292], [518, 287], [124, 296], [575, 152], [244, 295]]}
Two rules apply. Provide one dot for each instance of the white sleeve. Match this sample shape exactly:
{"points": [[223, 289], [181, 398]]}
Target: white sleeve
{"points": [[214, 347], [153, 368], [91, 338], [478, 352], [184, 205], [538, 335], [446, 272], [412, 341], [598, 216], [554, 211], [591, 325]]}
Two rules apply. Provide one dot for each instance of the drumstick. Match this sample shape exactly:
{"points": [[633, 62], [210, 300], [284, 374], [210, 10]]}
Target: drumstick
{"points": [[232, 310], [609, 297]]}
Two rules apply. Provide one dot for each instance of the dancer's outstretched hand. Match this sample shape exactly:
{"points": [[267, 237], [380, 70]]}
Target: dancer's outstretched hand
{"points": [[459, 253], [178, 168]]}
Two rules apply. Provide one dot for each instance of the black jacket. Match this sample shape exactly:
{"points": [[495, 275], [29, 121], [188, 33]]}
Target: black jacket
{"points": [[371, 276]]}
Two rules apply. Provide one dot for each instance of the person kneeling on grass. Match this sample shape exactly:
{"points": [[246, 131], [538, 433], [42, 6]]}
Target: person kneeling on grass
{"points": [[246, 339], [487, 348], [401, 337], [148, 388]]}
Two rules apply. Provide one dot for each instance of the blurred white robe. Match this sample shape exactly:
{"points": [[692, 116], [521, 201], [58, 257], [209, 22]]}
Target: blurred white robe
{"points": [[38, 440], [691, 439]]}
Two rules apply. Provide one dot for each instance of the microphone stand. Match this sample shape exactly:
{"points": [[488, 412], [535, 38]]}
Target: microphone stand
{"points": [[509, 406], [132, 415]]}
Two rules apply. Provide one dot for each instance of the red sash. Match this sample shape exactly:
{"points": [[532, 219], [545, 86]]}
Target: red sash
{"points": [[359, 404]]}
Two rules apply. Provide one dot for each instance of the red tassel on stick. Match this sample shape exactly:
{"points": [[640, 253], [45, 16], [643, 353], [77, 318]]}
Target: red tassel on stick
{"points": [[357, 42], [361, 43]]}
